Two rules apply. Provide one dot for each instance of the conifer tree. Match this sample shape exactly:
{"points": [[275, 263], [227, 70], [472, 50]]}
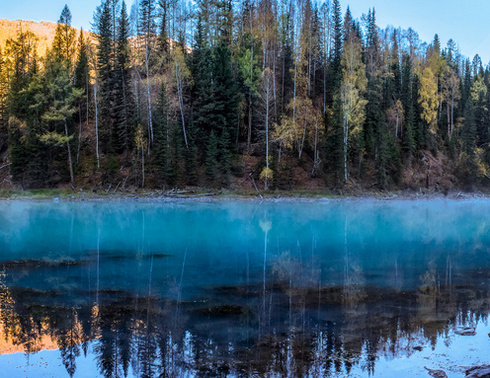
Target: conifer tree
{"points": [[123, 97], [147, 31], [105, 73], [3, 99], [201, 69], [163, 38], [81, 81], [81, 74], [335, 66], [62, 98], [162, 146], [64, 38], [212, 153]]}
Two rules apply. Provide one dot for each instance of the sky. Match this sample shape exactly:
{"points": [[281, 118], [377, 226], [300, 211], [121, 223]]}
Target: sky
{"points": [[467, 22]]}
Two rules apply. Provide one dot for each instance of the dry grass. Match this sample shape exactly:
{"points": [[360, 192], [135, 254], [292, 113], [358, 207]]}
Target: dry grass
{"points": [[43, 30]]}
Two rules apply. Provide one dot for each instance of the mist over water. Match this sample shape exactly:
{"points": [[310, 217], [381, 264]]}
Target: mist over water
{"points": [[353, 287]]}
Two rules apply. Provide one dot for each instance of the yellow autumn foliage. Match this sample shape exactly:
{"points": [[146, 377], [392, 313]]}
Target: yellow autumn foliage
{"points": [[429, 99]]}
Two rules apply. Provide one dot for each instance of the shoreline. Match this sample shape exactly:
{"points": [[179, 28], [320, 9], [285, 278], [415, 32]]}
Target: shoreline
{"points": [[202, 195]]}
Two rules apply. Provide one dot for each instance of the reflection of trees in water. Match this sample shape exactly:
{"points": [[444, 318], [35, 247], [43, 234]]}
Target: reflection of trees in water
{"points": [[309, 330]]}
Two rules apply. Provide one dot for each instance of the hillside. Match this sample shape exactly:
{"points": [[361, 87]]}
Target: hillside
{"points": [[43, 30]]}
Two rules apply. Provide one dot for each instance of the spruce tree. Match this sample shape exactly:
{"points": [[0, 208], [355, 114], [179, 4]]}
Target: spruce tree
{"points": [[335, 67], [81, 80], [3, 99], [163, 42], [202, 91], [64, 38], [212, 153], [161, 150], [105, 72], [122, 134], [147, 32], [192, 156]]}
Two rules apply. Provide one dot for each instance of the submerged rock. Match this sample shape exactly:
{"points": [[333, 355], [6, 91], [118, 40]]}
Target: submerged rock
{"points": [[436, 373], [224, 310], [28, 264], [482, 371]]}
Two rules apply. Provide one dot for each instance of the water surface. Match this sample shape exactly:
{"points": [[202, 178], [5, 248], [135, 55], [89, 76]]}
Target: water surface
{"points": [[307, 288]]}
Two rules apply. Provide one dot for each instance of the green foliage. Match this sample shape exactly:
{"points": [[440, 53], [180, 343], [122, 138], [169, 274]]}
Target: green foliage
{"points": [[381, 101], [212, 169], [123, 109], [105, 73], [64, 39], [162, 148]]}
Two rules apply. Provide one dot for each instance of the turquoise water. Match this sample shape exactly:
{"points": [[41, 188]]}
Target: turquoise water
{"points": [[307, 288]]}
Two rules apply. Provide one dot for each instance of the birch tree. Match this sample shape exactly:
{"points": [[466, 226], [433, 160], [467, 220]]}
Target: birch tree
{"points": [[353, 86], [267, 88], [148, 35], [429, 99], [181, 75]]}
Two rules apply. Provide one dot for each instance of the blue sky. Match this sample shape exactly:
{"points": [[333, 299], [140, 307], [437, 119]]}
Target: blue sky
{"points": [[468, 23]]}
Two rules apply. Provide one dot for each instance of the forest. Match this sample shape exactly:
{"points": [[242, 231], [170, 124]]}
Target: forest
{"points": [[264, 94]]}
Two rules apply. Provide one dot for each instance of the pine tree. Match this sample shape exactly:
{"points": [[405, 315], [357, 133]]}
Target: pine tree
{"points": [[212, 153], [81, 80], [64, 38], [105, 72], [192, 157], [335, 65], [3, 99], [161, 150], [28, 157], [163, 41], [202, 91], [225, 94], [466, 169], [147, 31], [81, 74], [250, 72], [123, 97]]}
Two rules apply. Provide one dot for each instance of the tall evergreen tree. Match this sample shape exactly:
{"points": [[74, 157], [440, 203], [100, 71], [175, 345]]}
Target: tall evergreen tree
{"points": [[335, 65], [105, 72], [123, 97], [162, 149], [147, 31], [81, 77], [64, 38]]}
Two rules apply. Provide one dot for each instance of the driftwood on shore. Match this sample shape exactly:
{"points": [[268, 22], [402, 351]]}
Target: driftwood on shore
{"points": [[482, 371]]}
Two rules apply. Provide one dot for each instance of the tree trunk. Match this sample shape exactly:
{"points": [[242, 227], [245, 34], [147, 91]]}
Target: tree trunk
{"points": [[70, 163], [96, 127], [181, 100], [150, 121], [267, 133], [274, 84], [79, 131], [346, 136], [249, 134], [143, 165]]}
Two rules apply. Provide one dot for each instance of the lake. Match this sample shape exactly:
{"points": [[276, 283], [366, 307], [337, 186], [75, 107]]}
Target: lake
{"points": [[243, 288]]}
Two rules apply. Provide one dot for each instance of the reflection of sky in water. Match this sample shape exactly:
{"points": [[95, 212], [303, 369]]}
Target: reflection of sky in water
{"points": [[342, 282]]}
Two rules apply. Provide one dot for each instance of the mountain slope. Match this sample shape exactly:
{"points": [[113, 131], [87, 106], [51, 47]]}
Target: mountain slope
{"points": [[43, 30]]}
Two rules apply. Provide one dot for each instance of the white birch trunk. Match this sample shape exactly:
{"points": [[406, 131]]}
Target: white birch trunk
{"points": [[70, 163], [96, 126], [181, 99]]}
